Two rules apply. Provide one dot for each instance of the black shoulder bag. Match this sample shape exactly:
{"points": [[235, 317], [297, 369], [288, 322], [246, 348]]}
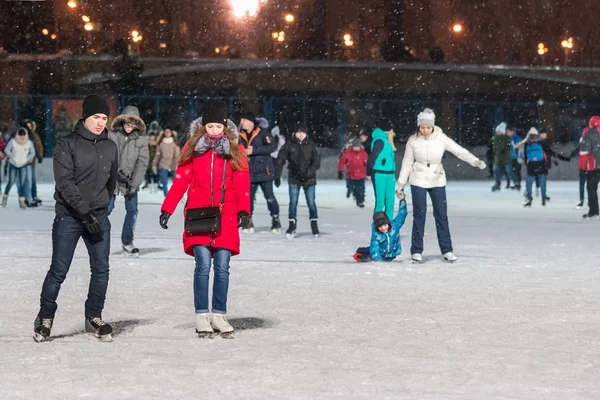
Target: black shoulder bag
{"points": [[206, 220]]}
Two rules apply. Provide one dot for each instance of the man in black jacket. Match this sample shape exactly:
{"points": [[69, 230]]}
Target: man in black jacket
{"points": [[85, 172], [303, 160]]}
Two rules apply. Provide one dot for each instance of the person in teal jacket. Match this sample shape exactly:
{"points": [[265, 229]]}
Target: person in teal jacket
{"points": [[385, 237], [381, 167]]}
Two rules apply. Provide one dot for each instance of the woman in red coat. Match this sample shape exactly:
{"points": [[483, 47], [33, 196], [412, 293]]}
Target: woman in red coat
{"points": [[200, 174]]}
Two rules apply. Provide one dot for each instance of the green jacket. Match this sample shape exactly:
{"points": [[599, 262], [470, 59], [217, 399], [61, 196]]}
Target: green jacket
{"points": [[382, 157], [501, 145]]}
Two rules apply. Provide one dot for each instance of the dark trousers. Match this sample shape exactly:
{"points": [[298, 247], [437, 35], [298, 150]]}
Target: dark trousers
{"points": [[516, 173], [593, 177], [582, 181], [66, 232], [267, 189], [365, 254], [357, 188], [440, 213]]}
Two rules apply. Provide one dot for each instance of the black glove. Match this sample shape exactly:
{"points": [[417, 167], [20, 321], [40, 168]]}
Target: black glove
{"points": [[40, 159], [340, 175], [243, 219], [91, 222], [130, 193], [277, 182], [163, 219]]}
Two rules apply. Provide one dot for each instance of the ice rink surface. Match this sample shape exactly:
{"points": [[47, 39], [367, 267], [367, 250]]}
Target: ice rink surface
{"points": [[515, 318]]}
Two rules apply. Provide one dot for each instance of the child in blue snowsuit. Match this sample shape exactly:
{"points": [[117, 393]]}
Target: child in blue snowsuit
{"points": [[385, 237]]}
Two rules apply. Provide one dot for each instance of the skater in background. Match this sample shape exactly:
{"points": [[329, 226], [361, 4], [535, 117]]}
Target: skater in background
{"points": [[167, 156], [590, 150], [502, 159], [365, 139], [489, 154], [39, 157], [517, 157], [346, 147], [381, 167], [128, 131], [552, 157], [151, 178], [303, 159], [354, 161], [593, 123], [20, 151], [385, 237], [2, 157], [211, 152], [259, 144], [422, 168], [85, 172]]}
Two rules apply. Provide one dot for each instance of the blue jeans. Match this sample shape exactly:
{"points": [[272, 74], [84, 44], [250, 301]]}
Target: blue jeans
{"points": [[440, 213], [500, 170], [22, 177], [164, 175], [582, 180], [221, 257], [357, 188], [309, 193], [66, 232], [267, 189], [131, 212], [542, 179]]}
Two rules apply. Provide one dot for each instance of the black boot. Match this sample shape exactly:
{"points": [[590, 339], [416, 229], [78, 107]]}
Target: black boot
{"points": [[99, 328], [42, 328], [292, 229], [528, 201], [314, 227], [275, 224]]}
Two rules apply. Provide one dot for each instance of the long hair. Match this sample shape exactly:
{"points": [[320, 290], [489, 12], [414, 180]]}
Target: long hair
{"points": [[236, 157], [162, 136]]}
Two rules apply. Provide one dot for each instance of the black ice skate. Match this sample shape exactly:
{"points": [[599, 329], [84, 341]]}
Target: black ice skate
{"points": [[360, 204], [579, 205], [590, 216], [42, 328], [291, 232], [495, 188], [131, 251], [99, 329], [276, 225], [543, 201], [528, 201], [314, 227], [249, 228]]}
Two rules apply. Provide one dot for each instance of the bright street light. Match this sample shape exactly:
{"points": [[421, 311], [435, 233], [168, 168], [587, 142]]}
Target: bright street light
{"points": [[88, 27], [53, 36], [45, 32], [85, 18], [567, 43], [542, 49], [72, 4], [134, 33], [241, 8], [457, 28], [289, 18]]}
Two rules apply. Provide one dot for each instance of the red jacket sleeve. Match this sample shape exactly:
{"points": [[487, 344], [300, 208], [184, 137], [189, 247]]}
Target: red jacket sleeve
{"points": [[241, 183], [181, 183]]}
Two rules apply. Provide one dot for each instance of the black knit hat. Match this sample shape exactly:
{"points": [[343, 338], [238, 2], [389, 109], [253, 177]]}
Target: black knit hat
{"points": [[380, 218], [300, 127], [249, 115], [385, 125], [94, 104], [214, 111]]}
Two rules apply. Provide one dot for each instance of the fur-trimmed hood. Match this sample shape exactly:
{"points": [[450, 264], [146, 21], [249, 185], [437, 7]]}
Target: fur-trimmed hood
{"points": [[197, 124], [262, 123], [130, 115]]}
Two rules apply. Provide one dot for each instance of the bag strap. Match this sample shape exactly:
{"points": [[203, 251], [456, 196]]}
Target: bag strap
{"points": [[222, 201]]}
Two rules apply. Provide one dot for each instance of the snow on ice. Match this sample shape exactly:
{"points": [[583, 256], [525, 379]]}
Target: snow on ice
{"points": [[516, 317]]}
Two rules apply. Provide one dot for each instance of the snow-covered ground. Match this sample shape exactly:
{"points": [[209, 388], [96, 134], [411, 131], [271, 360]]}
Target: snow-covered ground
{"points": [[515, 318]]}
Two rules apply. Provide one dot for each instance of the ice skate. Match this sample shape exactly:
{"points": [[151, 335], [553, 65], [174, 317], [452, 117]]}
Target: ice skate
{"points": [[32, 204], [357, 257], [543, 201], [131, 251], [590, 216], [495, 188], [249, 228], [219, 324], [360, 204], [577, 207], [99, 329], [42, 328], [22, 202], [417, 258], [291, 232], [314, 227], [276, 225], [348, 193], [4, 200], [528, 201], [203, 327], [450, 257]]}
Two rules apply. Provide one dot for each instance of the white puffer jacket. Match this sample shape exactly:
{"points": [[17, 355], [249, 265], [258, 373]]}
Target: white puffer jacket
{"points": [[422, 162]]}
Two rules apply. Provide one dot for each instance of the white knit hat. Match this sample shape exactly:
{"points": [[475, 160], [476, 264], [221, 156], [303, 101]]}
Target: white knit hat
{"points": [[426, 117], [533, 131], [501, 128]]}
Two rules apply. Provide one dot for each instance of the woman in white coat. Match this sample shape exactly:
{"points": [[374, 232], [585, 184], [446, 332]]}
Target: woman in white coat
{"points": [[422, 168]]}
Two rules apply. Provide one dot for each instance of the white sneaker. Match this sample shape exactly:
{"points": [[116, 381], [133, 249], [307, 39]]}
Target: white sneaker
{"points": [[450, 257], [417, 258], [203, 323], [220, 324]]}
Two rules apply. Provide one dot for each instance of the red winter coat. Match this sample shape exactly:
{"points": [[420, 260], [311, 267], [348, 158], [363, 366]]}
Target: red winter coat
{"points": [[355, 163], [194, 177], [1, 148]]}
